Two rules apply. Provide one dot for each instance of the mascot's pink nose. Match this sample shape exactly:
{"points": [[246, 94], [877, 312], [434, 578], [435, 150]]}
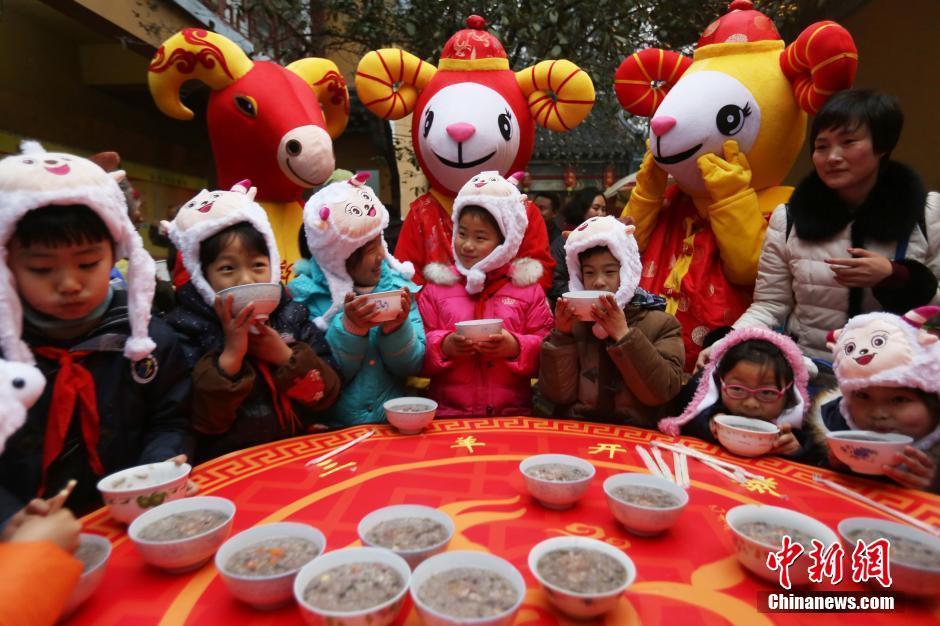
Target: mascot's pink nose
{"points": [[461, 131], [662, 124]]}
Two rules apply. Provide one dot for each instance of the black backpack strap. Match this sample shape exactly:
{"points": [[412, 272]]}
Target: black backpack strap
{"points": [[789, 221]]}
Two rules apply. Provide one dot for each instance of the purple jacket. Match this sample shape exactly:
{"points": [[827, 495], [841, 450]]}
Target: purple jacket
{"points": [[478, 386]]}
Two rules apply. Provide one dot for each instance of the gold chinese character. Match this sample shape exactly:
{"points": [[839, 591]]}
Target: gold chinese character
{"points": [[762, 485], [467, 442], [610, 448], [332, 467]]}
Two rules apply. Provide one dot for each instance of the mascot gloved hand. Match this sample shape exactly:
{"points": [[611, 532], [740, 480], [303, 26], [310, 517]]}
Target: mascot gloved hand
{"points": [[726, 177]]}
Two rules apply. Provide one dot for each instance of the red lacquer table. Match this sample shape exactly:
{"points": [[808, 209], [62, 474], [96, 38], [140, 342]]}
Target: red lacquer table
{"points": [[469, 469]]}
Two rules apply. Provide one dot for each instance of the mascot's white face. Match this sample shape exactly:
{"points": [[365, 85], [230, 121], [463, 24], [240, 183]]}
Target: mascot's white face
{"points": [[699, 114], [467, 128]]}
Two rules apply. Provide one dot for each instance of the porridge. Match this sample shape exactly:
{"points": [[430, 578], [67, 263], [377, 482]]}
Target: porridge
{"points": [[557, 472], [772, 534], [353, 587], [468, 592], [272, 557], [407, 533], [183, 525], [582, 571], [903, 549], [641, 495]]}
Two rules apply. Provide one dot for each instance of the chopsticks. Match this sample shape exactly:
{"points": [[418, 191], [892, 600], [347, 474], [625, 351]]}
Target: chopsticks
{"points": [[884, 508], [657, 466], [709, 460], [58, 500], [336, 451]]}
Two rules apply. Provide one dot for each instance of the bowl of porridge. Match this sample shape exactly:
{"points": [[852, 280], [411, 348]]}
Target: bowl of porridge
{"points": [[757, 530], [479, 329], [643, 503], [582, 577], [265, 297], [93, 551], [866, 451], [411, 531], [130, 492], [582, 301], [410, 415], [745, 436], [353, 587], [387, 304], [557, 481], [258, 565], [914, 555], [182, 535], [463, 587]]}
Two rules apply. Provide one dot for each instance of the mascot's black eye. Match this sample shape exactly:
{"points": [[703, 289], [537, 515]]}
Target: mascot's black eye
{"points": [[18, 383], [505, 128], [730, 118], [246, 105], [428, 120]]}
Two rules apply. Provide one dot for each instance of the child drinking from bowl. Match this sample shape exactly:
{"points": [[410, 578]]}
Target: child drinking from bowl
{"points": [[888, 369], [492, 375], [347, 257], [628, 364], [755, 373], [117, 386], [254, 381]]}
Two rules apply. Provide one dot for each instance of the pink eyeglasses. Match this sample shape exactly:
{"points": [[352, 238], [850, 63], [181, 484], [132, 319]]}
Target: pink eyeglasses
{"points": [[762, 394]]}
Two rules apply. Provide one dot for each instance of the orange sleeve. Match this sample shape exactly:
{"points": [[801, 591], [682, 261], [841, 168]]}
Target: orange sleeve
{"points": [[44, 577]]}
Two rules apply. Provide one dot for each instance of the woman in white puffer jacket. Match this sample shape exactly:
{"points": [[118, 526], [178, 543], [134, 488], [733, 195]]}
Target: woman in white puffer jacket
{"points": [[860, 234]]}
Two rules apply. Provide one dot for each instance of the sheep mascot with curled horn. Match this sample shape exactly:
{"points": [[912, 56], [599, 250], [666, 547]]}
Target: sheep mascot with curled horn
{"points": [[271, 124], [728, 132], [471, 114]]}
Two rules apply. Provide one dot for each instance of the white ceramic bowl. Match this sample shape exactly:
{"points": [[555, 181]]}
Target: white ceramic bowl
{"points": [[265, 296], [582, 301], [446, 561], [479, 329], [398, 511], [912, 580], [868, 455], [130, 492], [555, 494], [388, 304], [410, 422], [264, 592], [753, 554], [187, 554], [581, 605], [745, 436], [378, 615], [91, 577], [644, 520]]}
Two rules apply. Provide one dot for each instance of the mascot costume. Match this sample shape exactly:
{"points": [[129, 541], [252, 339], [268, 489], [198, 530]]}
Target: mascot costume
{"points": [[265, 121], [471, 114], [728, 132]]}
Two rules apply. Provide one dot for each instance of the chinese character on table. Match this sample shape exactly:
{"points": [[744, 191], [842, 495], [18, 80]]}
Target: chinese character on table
{"points": [[871, 562], [782, 560], [827, 562], [332, 467], [608, 448], [762, 485], [467, 442]]}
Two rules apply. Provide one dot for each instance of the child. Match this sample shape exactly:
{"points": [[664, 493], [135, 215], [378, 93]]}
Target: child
{"points": [[491, 376], [888, 370], [754, 373], [636, 367], [116, 397], [343, 224], [252, 382]]}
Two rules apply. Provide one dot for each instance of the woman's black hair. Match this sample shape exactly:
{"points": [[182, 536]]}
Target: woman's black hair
{"points": [[762, 353], [481, 213], [61, 225], [579, 204], [252, 241], [852, 108]]}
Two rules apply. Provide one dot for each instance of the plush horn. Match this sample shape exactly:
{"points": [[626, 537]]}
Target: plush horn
{"points": [[645, 77], [571, 97], [329, 86], [193, 53], [821, 61], [388, 81]]}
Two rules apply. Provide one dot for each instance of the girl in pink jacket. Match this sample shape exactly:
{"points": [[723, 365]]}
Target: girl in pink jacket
{"points": [[488, 376]]}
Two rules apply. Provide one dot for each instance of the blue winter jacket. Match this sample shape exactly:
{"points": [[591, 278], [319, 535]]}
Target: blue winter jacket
{"points": [[374, 366]]}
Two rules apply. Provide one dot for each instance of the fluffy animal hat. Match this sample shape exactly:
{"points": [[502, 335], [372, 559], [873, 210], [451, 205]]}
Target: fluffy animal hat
{"points": [[20, 387], [610, 233]]}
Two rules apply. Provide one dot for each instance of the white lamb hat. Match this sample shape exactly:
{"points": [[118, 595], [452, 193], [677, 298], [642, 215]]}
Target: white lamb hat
{"points": [[611, 233], [36, 178], [211, 212]]}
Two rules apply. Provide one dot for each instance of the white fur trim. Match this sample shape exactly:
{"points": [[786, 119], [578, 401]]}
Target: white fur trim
{"points": [[441, 274], [525, 272], [611, 233]]}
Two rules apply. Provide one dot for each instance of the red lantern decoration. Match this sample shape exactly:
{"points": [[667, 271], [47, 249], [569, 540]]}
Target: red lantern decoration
{"points": [[610, 176], [570, 178]]}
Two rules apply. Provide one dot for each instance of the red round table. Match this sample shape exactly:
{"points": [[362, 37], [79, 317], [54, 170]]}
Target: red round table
{"points": [[469, 469]]}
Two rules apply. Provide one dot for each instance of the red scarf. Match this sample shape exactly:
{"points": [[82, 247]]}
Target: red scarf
{"points": [[286, 417], [73, 385], [495, 280]]}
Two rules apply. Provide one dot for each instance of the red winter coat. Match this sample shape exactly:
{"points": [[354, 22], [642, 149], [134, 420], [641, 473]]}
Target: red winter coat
{"points": [[477, 386], [428, 231]]}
